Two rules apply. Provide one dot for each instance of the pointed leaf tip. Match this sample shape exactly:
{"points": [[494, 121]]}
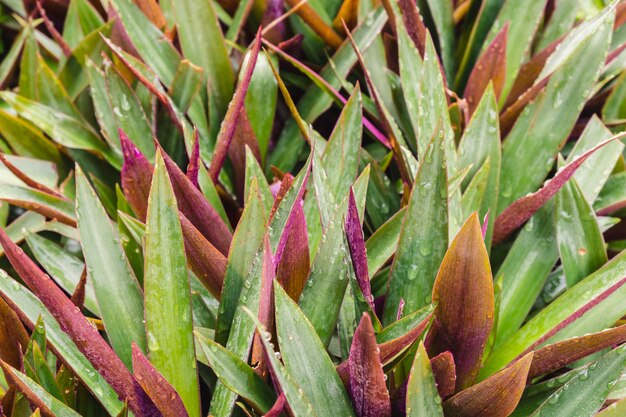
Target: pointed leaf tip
{"points": [[464, 294], [496, 396], [367, 385], [358, 254], [157, 387]]}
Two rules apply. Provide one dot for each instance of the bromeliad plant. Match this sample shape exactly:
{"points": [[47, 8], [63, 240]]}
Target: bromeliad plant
{"points": [[355, 208]]}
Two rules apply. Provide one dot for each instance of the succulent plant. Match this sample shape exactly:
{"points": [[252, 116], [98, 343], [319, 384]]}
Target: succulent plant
{"points": [[325, 208]]}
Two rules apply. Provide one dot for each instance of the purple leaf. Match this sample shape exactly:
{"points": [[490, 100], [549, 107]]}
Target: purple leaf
{"points": [[356, 244], [197, 209], [553, 357], [414, 24], [229, 124], [391, 348], [464, 294], [162, 393], [78, 328], [367, 386], [522, 209], [194, 161], [497, 396], [444, 371], [243, 136], [293, 264], [205, 260], [279, 407], [136, 176]]}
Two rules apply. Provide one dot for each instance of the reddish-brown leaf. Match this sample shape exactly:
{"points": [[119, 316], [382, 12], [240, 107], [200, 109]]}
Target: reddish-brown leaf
{"points": [[414, 24], [356, 244], [510, 115], [529, 72], [12, 336], [522, 209], [197, 209], [552, 357], [136, 176], [490, 67], [162, 393], [496, 396], [279, 407], [29, 181], [463, 291], [229, 125], [390, 349], [243, 136], [78, 328], [294, 261], [367, 386], [444, 371], [395, 146], [152, 11], [194, 161], [78, 296], [204, 259]]}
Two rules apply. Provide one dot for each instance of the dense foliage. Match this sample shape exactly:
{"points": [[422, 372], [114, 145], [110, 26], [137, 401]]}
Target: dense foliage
{"points": [[312, 208]]}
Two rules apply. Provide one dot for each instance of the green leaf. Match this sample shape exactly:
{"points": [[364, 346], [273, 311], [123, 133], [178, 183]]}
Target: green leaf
{"points": [[481, 141], [523, 20], [422, 398], [127, 113], [594, 172], [203, 44], [65, 268], [37, 394], [31, 309], [149, 41], [598, 296], [302, 352], [579, 238], [237, 375], [167, 297], [424, 237], [529, 150], [40, 202], [118, 293], [186, 85], [584, 395], [315, 101], [383, 243], [63, 129], [25, 139], [441, 12], [330, 271], [299, 404], [247, 240], [260, 102]]}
